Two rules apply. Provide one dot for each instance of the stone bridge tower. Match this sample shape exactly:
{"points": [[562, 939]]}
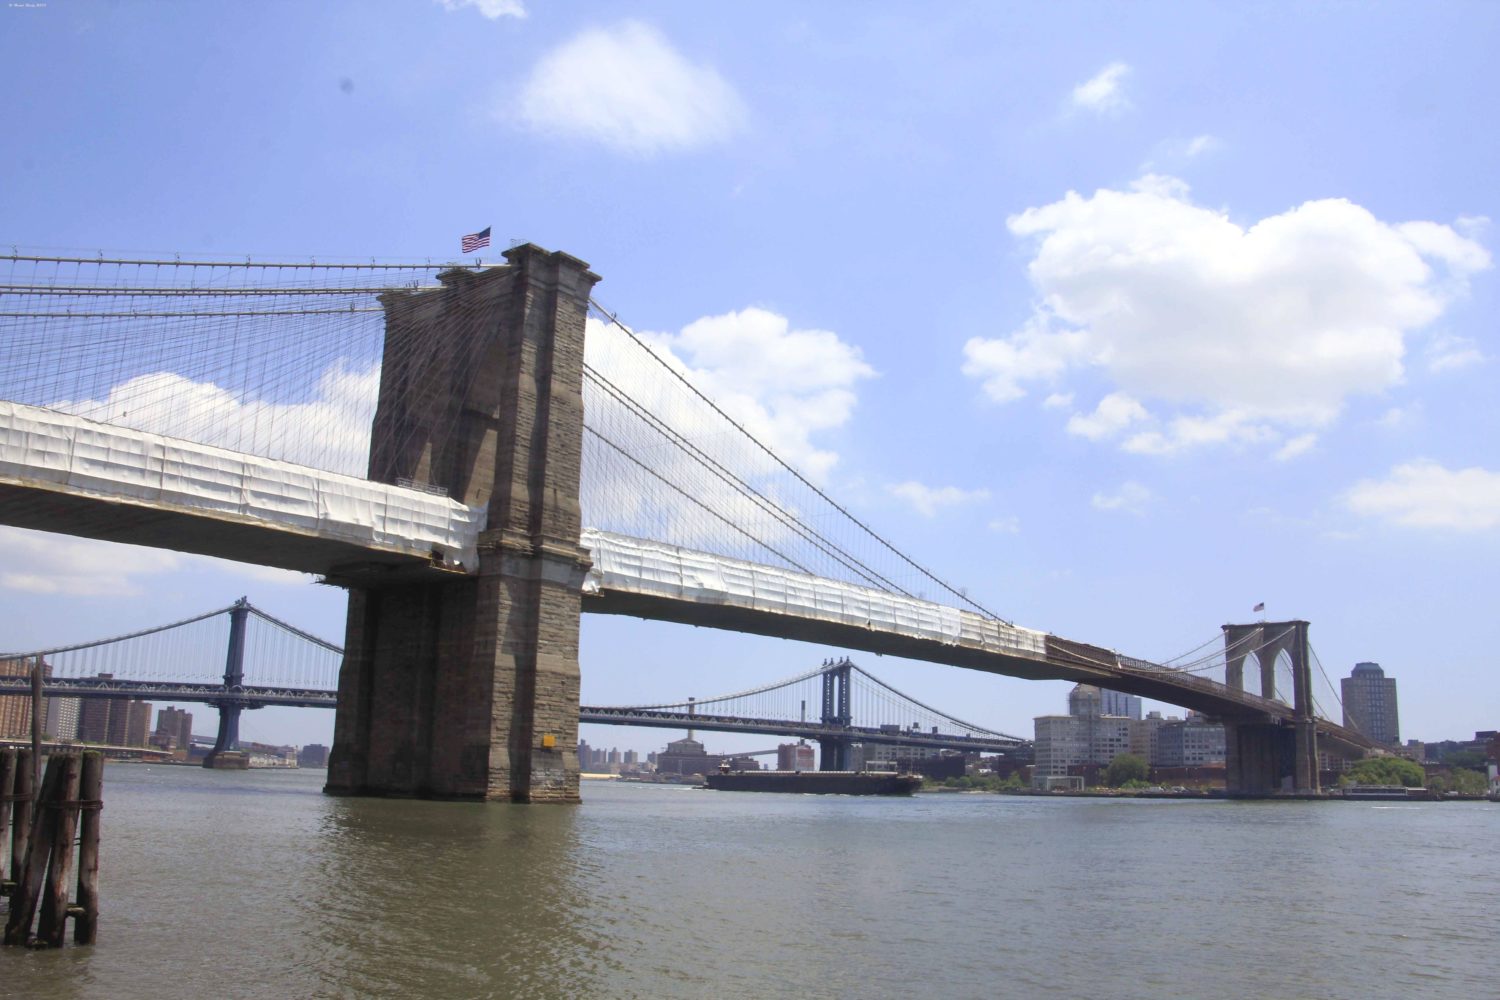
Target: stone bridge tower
{"points": [[467, 686], [1263, 758]]}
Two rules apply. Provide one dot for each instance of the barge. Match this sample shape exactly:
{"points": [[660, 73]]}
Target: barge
{"points": [[815, 782]]}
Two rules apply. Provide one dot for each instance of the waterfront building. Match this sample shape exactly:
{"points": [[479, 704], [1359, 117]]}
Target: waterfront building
{"points": [[1069, 741], [1369, 698], [313, 755], [797, 756], [176, 725], [62, 718], [1190, 742], [15, 710], [686, 756], [93, 718]]}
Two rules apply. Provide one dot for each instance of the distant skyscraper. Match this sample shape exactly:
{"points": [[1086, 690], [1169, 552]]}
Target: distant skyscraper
{"points": [[1086, 700], [1119, 703], [176, 724], [1370, 703]]}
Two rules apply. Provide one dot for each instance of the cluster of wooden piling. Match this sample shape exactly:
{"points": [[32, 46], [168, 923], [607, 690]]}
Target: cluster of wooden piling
{"points": [[45, 821]]}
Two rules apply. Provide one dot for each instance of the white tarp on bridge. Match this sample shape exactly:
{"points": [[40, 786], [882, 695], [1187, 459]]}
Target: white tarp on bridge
{"points": [[57, 450], [635, 565]]}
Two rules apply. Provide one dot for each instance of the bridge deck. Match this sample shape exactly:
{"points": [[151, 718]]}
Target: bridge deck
{"points": [[59, 472]]}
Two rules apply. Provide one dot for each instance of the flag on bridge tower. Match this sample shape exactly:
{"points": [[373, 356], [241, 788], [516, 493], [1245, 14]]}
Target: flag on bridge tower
{"points": [[474, 241], [1259, 607]]}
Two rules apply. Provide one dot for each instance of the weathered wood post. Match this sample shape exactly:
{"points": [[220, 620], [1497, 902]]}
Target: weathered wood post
{"points": [[53, 925], [91, 792], [29, 879], [7, 796], [21, 818]]}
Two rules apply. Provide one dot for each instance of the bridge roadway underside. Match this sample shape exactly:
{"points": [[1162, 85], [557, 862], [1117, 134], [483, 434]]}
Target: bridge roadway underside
{"points": [[222, 535], [1064, 660]]}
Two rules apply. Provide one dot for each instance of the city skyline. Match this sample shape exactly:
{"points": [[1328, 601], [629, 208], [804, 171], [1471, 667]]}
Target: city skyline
{"points": [[1121, 353]]}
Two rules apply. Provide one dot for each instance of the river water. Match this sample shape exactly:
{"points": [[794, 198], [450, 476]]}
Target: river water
{"points": [[254, 884]]}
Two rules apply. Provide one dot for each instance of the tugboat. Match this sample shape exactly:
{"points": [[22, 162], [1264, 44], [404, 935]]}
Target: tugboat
{"points": [[814, 782]]}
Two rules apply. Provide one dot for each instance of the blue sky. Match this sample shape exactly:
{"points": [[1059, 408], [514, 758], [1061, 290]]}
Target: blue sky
{"points": [[1145, 313]]}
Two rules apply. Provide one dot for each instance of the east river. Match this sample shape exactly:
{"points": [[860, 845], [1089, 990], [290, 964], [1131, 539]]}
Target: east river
{"points": [[254, 884]]}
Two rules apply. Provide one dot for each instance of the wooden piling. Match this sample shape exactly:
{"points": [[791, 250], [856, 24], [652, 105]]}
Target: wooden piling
{"points": [[21, 818], [52, 926], [29, 879], [7, 796], [91, 792]]}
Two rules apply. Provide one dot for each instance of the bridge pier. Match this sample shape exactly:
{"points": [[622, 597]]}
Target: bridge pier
{"points": [[833, 752], [1263, 759], [468, 688], [228, 738]]}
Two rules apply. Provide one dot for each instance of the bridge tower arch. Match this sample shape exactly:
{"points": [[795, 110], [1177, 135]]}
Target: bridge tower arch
{"points": [[468, 687], [1263, 758]]}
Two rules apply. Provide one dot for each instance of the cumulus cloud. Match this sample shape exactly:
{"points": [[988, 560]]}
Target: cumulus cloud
{"points": [[1201, 144], [1299, 445], [1131, 497], [1424, 494], [1103, 93], [492, 9], [627, 88], [1448, 353], [928, 500], [38, 562], [329, 430], [1227, 333], [1114, 413], [786, 386]]}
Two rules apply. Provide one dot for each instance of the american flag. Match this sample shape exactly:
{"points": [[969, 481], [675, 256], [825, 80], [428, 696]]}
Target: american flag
{"points": [[474, 241], [1259, 607]]}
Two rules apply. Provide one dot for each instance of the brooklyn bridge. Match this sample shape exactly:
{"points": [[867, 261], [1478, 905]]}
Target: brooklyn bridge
{"points": [[480, 455]]}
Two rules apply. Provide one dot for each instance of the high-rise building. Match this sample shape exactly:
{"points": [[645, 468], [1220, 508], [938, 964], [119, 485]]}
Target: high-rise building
{"points": [[175, 724], [62, 718], [94, 715], [15, 710], [1119, 703], [1370, 703]]}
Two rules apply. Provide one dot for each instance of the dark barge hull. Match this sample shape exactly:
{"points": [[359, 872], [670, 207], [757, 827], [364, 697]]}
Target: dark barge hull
{"points": [[815, 782]]}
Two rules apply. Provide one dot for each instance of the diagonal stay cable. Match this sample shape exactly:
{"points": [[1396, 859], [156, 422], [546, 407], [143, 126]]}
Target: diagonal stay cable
{"points": [[800, 478], [695, 501], [790, 520]]}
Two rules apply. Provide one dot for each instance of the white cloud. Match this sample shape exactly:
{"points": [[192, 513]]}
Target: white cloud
{"points": [[1299, 445], [1131, 497], [1398, 416], [627, 88], [1448, 353], [1200, 144], [491, 9], [1424, 494], [1114, 413], [1102, 93], [928, 500], [1008, 525], [1058, 401], [1231, 333], [42, 563], [785, 386], [341, 409]]}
